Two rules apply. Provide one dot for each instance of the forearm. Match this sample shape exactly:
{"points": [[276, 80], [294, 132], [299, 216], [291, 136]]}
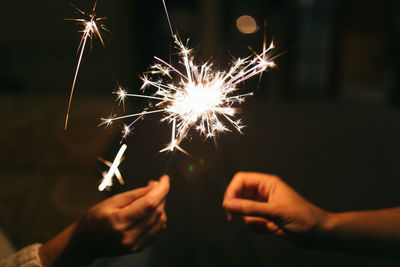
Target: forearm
{"points": [[60, 251], [375, 231], [51, 251]]}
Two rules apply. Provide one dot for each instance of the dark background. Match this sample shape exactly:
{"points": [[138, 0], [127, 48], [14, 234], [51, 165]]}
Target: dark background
{"points": [[326, 120]]}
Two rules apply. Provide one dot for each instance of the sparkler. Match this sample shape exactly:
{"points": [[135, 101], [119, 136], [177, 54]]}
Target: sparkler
{"points": [[107, 177], [91, 29], [197, 97]]}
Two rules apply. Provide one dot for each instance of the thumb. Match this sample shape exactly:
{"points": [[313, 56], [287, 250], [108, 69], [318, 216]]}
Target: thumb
{"points": [[251, 208]]}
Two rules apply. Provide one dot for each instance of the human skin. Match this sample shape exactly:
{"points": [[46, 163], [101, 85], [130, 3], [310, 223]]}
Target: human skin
{"points": [[121, 224], [268, 205]]}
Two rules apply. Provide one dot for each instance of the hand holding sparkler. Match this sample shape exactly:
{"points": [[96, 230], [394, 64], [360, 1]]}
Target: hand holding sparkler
{"points": [[124, 223], [268, 205]]}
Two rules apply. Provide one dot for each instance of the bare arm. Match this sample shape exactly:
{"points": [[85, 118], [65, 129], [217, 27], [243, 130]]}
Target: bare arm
{"points": [[375, 231]]}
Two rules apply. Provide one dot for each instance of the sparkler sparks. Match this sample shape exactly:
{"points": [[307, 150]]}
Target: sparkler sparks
{"points": [[107, 177], [91, 28], [197, 97]]}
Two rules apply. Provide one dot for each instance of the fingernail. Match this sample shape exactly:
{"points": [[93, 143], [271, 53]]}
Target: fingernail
{"points": [[225, 202]]}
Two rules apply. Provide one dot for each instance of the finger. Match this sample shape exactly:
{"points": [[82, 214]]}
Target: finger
{"points": [[147, 204], [123, 199], [254, 220], [243, 181], [251, 208], [229, 216], [237, 188], [256, 224], [136, 235], [153, 198], [152, 234], [234, 187], [146, 222], [152, 183], [260, 225], [161, 187]]}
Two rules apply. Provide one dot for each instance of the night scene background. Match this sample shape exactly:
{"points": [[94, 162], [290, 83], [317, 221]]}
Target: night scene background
{"points": [[326, 120]]}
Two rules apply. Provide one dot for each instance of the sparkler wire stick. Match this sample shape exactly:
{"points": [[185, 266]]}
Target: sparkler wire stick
{"points": [[107, 180]]}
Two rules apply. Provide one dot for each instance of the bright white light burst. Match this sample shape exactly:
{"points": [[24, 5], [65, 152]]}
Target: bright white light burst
{"points": [[197, 97]]}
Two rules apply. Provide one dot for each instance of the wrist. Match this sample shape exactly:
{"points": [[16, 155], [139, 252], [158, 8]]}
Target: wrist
{"points": [[59, 250], [327, 222]]}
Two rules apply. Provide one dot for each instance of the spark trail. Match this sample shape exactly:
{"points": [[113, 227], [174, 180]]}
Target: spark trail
{"points": [[91, 29]]}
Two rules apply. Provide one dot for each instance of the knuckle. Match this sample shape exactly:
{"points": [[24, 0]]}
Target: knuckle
{"points": [[163, 219], [160, 211], [136, 248], [114, 222], [239, 175], [151, 204], [126, 243], [273, 177], [116, 228]]}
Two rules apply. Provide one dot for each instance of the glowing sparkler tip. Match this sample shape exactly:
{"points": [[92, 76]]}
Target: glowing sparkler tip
{"points": [[271, 45], [126, 131], [106, 121], [146, 82], [121, 94]]}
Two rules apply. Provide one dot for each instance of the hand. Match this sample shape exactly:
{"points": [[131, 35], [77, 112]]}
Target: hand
{"points": [[124, 223], [267, 204]]}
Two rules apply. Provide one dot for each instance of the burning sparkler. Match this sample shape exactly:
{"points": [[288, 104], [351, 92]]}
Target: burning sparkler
{"points": [[91, 29], [196, 96], [107, 177]]}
